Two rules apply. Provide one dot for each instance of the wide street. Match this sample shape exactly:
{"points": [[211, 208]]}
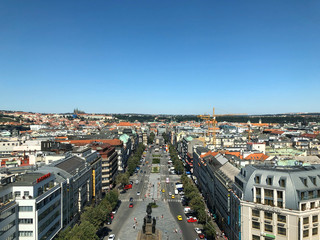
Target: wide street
{"points": [[128, 221]]}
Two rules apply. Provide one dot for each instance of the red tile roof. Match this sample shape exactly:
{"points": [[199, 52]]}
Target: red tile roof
{"points": [[209, 153], [124, 124], [257, 156]]}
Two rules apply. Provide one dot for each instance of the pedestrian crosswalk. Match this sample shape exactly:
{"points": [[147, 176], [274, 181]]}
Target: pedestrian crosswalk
{"points": [[172, 200], [134, 200], [140, 200]]}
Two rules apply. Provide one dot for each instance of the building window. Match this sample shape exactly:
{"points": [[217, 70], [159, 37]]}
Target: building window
{"points": [[17, 194], [269, 181], [310, 194], [255, 225], [268, 215], [315, 218], [25, 221], [314, 231], [268, 227], [282, 183], [257, 179], [306, 220], [268, 202], [280, 204], [258, 200], [303, 207], [279, 194], [304, 181], [313, 180], [282, 231], [312, 205], [302, 195], [268, 193], [25, 233], [255, 237], [318, 193], [255, 213], [306, 233], [26, 193], [282, 218], [7, 227], [25, 208], [258, 191]]}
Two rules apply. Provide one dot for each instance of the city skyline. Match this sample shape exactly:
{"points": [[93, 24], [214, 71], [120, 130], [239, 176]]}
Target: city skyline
{"points": [[160, 57]]}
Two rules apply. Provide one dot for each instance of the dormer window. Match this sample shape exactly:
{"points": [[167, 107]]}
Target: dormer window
{"points": [[257, 179], [269, 181], [313, 180], [304, 181], [282, 182]]}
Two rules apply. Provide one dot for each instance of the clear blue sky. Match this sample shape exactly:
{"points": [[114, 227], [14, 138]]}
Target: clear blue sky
{"points": [[160, 56]]}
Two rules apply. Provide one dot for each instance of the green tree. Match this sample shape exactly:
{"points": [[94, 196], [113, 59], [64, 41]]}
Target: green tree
{"points": [[151, 138], [63, 235], [95, 215], [112, 197], [106, 205], [179, 167], [122, 179], [209, 231], [202, 215], [188, 188], [165, 137], [84, 231], [196, 203]]}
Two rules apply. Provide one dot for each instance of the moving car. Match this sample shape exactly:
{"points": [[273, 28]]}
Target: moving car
{"points": [[131, 199], [163, 190], [112, 237], [179, 217], [138, 193], [192, 219], [131, 205], [172, 196]]}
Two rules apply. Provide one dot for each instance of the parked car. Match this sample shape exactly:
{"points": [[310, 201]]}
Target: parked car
{"points": [[109, 220], [131, 199], [201, 235], [112, 237], [198, 230], [131, 205], [138, 193], [179, 217]]}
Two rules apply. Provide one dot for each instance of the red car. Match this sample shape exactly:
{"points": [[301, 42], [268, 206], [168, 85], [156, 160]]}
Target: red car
{"points": [[111, 216], [201, 235], [131, 205], [192, 219], [128, 186]]}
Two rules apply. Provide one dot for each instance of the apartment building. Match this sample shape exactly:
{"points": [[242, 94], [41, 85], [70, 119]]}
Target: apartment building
{"points": [[214, 176], [277, 202], [38, 204], [8, 209], [109, 161]]}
